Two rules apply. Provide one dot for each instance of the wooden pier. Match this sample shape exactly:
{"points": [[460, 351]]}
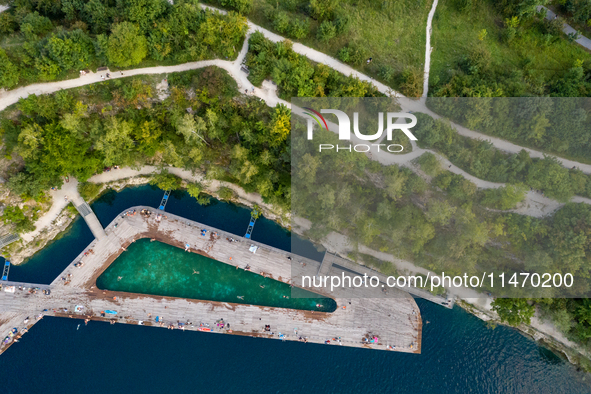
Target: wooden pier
{"points": [[392, 323]]}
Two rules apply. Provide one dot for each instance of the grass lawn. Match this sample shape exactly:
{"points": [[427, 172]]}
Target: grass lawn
{"points": [[538, 56], [392, 32]]}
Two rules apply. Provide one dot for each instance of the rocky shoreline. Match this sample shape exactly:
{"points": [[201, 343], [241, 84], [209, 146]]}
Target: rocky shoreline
{"points": [[21, 250], [20, 254]]}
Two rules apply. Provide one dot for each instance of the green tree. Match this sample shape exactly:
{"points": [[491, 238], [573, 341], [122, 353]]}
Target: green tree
{"points": [[67, 50], [513, 311], [194, 189], [299, 28], [7, 24], [439, 212], [281, 22], [126, 46], [98, 15], [166, 181], [9, 74], [280, 126], [506, 197], [225, 193], [143, 13], [326, 31], [34, 25], [242, 6], [15, 215], [429, 164], [323, 9], [114, 141]]}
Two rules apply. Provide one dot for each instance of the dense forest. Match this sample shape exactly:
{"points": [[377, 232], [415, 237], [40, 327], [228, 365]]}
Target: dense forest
{"points": [[203, 124], [296, 76], [47, 40], [481, 159], [206, 125], [442, 226], [536, 122]]}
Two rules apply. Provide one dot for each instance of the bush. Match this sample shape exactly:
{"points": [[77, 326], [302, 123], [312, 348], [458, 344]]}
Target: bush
{"points": [[194, 189], [7, 24], [16, 216], [281, 22], [323, 9], [344, 54], [225, 193], [429, 164], [506, 197], [387, 73], [166, 181], [412, 85], [299, 28], [242, 6], [353, 54], [126, 46], [326, 31], [268, 11], [342, 22], [89, 191]]}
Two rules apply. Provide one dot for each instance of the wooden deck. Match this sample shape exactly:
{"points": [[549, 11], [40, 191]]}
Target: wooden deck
{"points": [[396, 321]]}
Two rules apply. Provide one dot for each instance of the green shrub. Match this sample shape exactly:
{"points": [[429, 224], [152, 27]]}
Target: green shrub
{"points": [[166, 181], [225, 193], [242, 6], [16, 216], [506, 197], [326, 31], [9, 74], [281, 22], [429, 164], [89, 191], [126, 45], [353, 54], [299, 28]]}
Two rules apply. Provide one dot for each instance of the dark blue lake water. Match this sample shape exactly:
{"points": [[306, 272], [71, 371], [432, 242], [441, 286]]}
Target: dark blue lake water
{"points": [[459, 355]]}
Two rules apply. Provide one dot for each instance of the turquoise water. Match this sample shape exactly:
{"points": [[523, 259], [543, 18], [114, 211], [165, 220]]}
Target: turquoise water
{"points": [[160, 269], [46, 265], [459, 353]]}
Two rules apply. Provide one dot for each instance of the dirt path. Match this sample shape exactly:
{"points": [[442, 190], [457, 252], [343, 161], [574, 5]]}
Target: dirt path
{"points": [[535, 204], [340, 244], [567, 29], [268, 94], [60, 200], [10, 97], [213, 185], [428, 50]]}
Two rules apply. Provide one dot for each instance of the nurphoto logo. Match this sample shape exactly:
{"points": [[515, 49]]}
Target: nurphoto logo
{"points": [[344, 128]]}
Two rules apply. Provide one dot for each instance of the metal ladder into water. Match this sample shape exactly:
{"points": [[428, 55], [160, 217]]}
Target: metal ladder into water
{"points": [[164, 200], [6, 269], [253, 219]]}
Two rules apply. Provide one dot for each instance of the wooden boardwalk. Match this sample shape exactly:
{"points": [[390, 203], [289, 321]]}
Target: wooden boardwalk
{"points": [[395, 322], [89, 217]]}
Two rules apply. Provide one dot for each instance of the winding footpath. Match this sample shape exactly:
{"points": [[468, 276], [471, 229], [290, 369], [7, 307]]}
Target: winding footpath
{"points": [[10, 97], [428, 50], [267, 93], [567, 29], [534, 205]]}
